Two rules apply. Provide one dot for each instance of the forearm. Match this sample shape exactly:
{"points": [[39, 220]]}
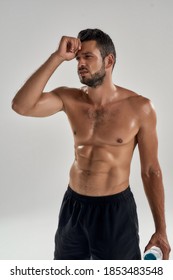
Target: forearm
{"points": [[154, 190], [31, 91]]}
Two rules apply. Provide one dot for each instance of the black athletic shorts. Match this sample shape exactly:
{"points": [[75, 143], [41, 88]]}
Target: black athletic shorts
{"points": [[99, 228]]}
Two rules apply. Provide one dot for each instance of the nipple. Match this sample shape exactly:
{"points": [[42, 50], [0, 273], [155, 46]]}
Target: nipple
{"points": [[119, 140]]}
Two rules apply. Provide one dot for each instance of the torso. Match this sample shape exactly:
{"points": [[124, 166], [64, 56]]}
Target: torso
{"points": [[104, 141]]}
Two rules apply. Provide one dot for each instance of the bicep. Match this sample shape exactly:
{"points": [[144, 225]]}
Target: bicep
{"points": [[48, 104], [148, 142]]}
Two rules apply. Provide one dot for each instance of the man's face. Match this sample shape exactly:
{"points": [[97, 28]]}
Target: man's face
{"points": [[91, 67]]}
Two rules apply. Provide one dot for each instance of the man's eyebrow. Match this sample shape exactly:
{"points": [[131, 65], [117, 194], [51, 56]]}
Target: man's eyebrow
{"points": [[83, 53], [87, 53]]}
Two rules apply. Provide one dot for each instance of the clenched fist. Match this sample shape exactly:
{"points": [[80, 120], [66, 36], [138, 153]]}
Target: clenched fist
{"points": [[68, 47]]}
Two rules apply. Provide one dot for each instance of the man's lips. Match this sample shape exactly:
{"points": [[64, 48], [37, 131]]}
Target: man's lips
{"points": [[82, 71]]}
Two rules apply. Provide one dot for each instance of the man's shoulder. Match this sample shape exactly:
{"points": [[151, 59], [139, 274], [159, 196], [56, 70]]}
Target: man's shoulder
{"points": [[142, 106], [68, 94], [71, 97], [138, 101], [64, 90]]}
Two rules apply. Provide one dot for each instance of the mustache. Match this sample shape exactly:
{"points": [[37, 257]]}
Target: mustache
{"points": [[82, 68]]}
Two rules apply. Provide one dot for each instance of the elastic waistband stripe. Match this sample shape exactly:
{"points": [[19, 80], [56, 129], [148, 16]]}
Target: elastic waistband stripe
{"points": [[118, 196]]}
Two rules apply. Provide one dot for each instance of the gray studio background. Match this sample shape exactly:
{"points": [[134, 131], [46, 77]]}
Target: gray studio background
{"points": [[36, 153]]}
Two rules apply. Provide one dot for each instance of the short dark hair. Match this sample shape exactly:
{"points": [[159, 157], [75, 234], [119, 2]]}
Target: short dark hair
{"points": [[103, 41]]}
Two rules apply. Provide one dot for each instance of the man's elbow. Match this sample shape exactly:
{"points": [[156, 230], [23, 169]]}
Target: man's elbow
{"points": [[18, 109], [151, 173]]}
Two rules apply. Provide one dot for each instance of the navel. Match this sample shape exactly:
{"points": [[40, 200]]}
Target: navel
{"points": [[87, 172]]}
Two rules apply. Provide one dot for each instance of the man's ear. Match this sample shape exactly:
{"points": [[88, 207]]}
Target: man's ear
{"points": [[109, 61]]}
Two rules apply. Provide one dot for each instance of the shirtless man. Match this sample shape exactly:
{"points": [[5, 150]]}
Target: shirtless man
{"points": [[98, 218]]}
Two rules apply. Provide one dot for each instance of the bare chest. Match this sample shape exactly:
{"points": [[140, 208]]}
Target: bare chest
{"points": [[112, 125]]}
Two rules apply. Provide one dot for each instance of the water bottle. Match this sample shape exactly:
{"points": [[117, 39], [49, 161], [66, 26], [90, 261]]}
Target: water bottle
{"points": [[154, 253]]}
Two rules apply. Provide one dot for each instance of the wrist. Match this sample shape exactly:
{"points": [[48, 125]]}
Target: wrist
{"points": [[57, 57], [161, 231]]}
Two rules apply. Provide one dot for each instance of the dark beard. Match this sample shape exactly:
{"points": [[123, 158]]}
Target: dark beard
{"points": [[96, 78]]}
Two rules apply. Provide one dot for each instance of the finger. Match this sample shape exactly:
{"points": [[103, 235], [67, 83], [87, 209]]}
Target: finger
{"points": [[75, 45], [165, 254], [79, 44]]}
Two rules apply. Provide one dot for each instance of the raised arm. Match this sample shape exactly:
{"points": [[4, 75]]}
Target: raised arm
{"points": [[152, 176], [30, 100]]}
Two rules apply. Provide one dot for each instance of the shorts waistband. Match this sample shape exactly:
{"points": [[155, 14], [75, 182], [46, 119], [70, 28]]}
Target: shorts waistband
{"points": [[107, 198]]}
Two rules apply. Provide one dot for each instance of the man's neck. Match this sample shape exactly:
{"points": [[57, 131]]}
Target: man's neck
{"points": [[102, 94]]}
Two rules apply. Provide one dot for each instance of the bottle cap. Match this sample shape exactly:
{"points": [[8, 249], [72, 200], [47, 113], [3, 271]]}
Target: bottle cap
{"points": [[150, 256]]}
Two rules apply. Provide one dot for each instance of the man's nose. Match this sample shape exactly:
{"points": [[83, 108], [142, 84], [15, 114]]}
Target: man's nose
{"points": [[81, 62]]}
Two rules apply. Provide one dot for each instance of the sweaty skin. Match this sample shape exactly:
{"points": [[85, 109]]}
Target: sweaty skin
{"points": [[107, 123], [104, 140]]}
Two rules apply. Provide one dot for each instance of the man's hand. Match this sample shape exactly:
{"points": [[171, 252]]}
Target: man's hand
{"points": [[68, 47], [31, 99], [160, 240]]}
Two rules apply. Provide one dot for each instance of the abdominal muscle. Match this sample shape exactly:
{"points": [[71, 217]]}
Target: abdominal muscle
{"points": [[101, 170]]}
